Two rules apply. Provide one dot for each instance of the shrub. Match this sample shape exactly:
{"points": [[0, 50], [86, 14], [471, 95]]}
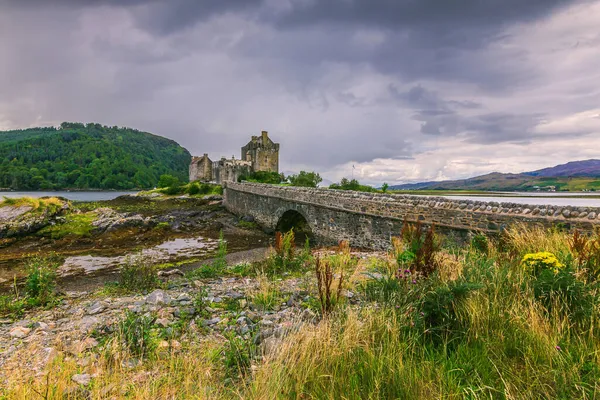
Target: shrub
{"points": [[480, 243], [220, 261], [168, 181], [173, 190], [416, 250], [438, 310], [138, 274], [328, 296], [162, 226], [305, 179], [534, 263], [136, 335], [205, 271], [586, 253], [41, 281], [237, 356], [263, 177], [560, 288], [12, 307], [284, 257], [267, 297], [193, 188], [383, 289]]}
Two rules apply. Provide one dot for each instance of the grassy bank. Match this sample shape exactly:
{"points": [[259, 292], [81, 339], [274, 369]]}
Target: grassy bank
{"points": [[512, 318]]}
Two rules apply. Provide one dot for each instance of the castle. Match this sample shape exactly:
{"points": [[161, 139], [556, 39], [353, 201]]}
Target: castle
{"points": [[260, 154]]}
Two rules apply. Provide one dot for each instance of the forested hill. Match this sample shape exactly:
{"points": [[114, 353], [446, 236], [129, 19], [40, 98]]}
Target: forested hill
{"points": [[90, 156]]}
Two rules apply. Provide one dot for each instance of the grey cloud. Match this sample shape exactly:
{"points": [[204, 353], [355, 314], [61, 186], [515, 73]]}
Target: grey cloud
{"points": [[210, 73]]}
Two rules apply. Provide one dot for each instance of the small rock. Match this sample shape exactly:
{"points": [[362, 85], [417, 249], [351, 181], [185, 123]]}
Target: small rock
{"points": [[88, 323], [184, 312], [158, 297], [19, 332], [96, 308], [171, 272], [163, 322], [266, 322], [82, 379], [213, 321], [184, 297], [234, 295], [42, 326]]}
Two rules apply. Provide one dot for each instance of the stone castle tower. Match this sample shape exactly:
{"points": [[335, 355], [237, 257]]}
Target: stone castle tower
{"points": [[201, 169], [260, 154]]}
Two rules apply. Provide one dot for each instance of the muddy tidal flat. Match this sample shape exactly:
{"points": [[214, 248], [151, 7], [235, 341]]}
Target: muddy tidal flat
{"points": [[91, 240]]}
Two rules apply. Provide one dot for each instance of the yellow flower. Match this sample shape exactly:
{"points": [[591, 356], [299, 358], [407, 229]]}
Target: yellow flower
{"points": [[535, 262]]}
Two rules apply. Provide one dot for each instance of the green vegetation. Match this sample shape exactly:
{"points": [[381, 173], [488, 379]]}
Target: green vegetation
{"points": [[173, 187], [263, 177], [138, 275], [217, 267], [353, 184], [39, 288], [90, 156], [37, 204], [507, 317], [305, 179], [74, 225]]}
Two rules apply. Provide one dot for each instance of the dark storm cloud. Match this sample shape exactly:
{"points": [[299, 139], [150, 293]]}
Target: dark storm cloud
{"points": [[335, 81]]}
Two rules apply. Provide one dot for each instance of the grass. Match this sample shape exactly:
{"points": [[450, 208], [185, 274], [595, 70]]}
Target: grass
{"points": [[481, 324], [267, 297], [38, 290], [34, 202], [75, 225]]}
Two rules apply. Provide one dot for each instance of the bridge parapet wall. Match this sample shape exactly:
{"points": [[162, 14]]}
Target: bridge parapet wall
{"points": [[342, 212]]}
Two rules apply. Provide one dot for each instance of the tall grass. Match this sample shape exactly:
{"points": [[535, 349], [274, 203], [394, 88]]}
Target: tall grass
{"points": [[493, 339], [33, 202]]}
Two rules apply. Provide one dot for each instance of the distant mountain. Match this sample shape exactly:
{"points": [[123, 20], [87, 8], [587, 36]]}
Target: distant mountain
{"points": [[87, 156], [572, 176], [588, 168]]}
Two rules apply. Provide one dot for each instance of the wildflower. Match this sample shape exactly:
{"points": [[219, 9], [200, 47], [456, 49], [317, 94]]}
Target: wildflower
{"points": [[414, 281], [557, 347], [535, 262]]}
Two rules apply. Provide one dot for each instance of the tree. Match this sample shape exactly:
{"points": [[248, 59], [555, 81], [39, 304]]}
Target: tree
{"points": [[384, 187], [305, 179], [168, 181]]}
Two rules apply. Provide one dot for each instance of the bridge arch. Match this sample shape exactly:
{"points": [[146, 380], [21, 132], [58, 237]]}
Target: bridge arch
{"points": [[294, 219]]}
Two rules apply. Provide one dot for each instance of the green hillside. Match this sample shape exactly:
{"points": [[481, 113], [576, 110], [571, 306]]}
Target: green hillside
{"points": [[87, 156]]}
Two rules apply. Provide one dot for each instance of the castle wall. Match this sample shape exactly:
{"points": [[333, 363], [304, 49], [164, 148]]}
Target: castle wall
{"points": [[229, 170]]}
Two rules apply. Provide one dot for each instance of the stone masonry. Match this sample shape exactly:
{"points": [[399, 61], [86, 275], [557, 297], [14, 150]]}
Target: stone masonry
{"points": [[369, 220], [260, 154], [201, 169]]}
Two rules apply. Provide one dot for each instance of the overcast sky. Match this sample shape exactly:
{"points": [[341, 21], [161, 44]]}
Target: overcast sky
{"points": [[405, 90]]}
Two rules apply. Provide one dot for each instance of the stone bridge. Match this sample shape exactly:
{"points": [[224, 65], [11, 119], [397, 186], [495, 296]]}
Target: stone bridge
{"points": [[369, 220]]}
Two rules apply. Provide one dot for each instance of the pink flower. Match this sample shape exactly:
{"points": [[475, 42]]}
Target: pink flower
{"points": [[557, 347]]}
